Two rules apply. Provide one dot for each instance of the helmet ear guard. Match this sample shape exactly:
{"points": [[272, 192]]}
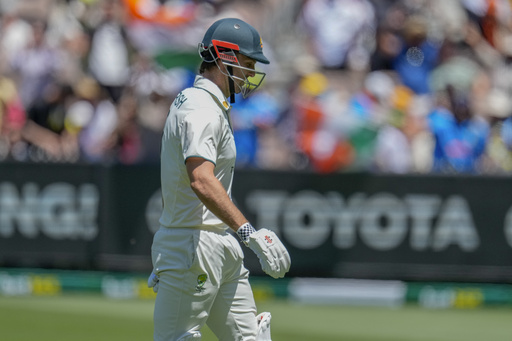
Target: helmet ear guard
{"points": [[226, 51], [222, 50], [205, 53]]}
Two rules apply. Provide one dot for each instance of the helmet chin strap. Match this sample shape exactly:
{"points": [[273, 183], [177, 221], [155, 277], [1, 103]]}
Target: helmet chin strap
{"points": [[231, 85]]}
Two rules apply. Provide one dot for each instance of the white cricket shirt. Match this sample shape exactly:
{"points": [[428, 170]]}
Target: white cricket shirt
{"points": [[198, 124]]}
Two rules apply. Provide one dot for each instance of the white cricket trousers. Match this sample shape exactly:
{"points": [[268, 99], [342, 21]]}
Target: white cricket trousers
{"points": [[202, 280]]}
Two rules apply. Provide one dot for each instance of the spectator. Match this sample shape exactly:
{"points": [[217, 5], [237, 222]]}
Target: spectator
{"points": [[15, 35], [460, 136], [393, 150], [387, 47], [326, 149], [499, 147], [45, 123], [12, 120], [37, 65], [131, 141], [93, 119], [109, 57], [369, 109], [454, 68], [340, 32], [418, 56], [318, 112], [506, 133], [250, 117]]}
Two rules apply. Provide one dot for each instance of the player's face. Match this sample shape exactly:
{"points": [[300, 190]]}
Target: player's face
{"points": [[242, 74]]}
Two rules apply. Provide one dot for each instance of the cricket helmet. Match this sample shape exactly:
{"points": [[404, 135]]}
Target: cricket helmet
{"points": [[229, 36], [237, 32]]}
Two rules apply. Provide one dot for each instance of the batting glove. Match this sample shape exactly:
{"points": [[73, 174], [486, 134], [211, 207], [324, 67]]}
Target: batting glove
{"points": [[153, 281], [263, 320], [273, 256]]}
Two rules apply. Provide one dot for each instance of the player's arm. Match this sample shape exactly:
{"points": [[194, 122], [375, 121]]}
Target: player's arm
{"points": [[273, 256], [213, 195], [211, 192]]}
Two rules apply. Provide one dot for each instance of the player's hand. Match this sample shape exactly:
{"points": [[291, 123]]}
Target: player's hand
{"points": [[274, 258], [263, 321], [153, 281]]}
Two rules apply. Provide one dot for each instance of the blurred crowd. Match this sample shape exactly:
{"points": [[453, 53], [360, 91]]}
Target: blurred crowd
{"points": [[389, 86]]}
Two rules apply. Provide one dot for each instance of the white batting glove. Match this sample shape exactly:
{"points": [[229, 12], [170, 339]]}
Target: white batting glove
{"points": [[263, 320], [153, 281], [273, 256]]}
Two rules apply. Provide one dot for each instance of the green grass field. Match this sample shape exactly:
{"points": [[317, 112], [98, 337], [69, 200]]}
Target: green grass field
{"points": [[82, 317]]}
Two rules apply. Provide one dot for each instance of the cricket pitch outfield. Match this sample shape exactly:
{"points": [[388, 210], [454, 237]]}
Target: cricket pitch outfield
{"points": [[94, 317]]}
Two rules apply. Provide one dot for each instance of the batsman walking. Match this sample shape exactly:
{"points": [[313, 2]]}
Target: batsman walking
{"points": [[198, 270]]}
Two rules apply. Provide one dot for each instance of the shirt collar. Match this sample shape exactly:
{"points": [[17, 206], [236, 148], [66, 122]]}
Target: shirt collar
{"points": [[214, 90]]}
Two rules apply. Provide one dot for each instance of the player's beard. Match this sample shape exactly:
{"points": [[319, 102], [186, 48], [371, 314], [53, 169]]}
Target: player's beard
{"points": [[245, 85]]}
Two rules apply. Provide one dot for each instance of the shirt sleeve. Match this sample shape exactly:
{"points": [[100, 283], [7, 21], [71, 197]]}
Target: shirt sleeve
{"points": [[200, 135]]}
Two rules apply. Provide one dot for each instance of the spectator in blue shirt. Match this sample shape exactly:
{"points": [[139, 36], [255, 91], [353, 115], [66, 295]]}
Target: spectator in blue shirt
{"points": [[418, 57], [460, 137], [506, 132]]}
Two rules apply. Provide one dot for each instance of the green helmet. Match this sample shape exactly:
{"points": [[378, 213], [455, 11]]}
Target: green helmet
{"points": [[233, 31], [222, 41]]}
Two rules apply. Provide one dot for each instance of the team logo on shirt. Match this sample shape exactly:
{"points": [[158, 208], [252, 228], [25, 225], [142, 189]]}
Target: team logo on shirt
{"points": [[201, 280], [180, 99]]}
